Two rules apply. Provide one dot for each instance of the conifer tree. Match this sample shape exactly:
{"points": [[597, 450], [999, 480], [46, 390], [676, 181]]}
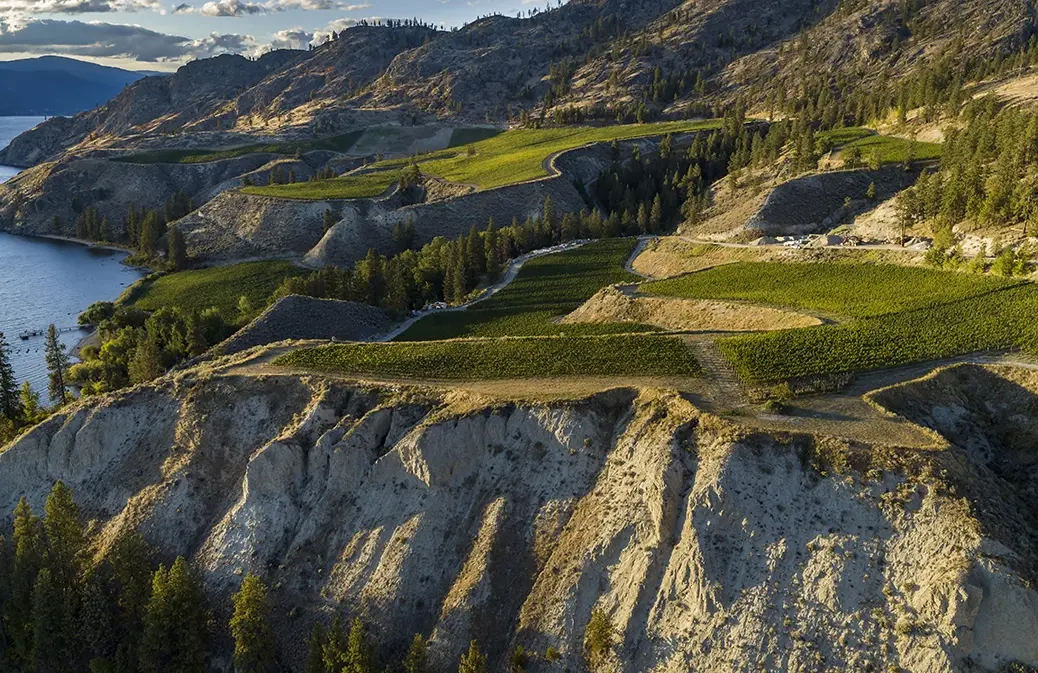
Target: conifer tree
{"points": [[66, 540], [334, 653], [473, 661], [48, 649], [28, 546], [315, 649], [360, 653], [175, 622], [10, 400], [250, 628], [30, 402], [146, 363], [150, 234], [656, 215], [475, 255], [492, 250], [549, 218], [417, 659], [643, 219], [328, 219], [57, 366], [177, 249]]}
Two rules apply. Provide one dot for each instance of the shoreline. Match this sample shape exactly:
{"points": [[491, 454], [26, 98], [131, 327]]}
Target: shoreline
{"points": [[111, 247], [89, 339]]}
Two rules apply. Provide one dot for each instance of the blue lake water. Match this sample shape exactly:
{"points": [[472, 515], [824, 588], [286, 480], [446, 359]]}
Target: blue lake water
{"points": [[45, 282]]}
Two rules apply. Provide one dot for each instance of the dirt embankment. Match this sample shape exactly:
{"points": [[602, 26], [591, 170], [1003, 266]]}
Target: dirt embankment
{"points": [[297, 317], [504, 521], [611, 305]]}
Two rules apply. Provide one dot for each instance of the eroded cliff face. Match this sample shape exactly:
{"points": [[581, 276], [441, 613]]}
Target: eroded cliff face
{"points": [[711, 548]]}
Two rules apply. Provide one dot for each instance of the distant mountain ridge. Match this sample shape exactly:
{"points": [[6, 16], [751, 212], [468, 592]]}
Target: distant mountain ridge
{"points": [[55, 85]]}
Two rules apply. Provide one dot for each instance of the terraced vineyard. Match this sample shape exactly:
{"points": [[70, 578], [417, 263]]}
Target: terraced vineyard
{"points": [[483, 359], [519, 155], [900, 315], [997, 320], [361, 186], [546, 288], [853, 290], [220, 287], [887, 149]]}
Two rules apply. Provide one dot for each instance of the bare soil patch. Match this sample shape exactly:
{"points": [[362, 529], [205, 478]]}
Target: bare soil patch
{"points": [[611, 305]]}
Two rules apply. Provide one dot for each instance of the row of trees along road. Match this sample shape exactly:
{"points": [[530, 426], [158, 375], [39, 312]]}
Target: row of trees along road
{"points": [[65, 610]]}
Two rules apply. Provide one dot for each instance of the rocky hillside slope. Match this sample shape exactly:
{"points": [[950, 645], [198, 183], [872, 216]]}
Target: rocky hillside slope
{"points": [[711, 548], [666, 54], [153, 105]]}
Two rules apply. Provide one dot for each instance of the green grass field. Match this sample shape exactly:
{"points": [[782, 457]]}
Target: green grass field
{"points": [[509, 358], [467, 136], [546, 288], [840, 137], [992, 321], [891, 150], [849, 290], [218, 287], [362, 186], [340, 143], [518, 155]]}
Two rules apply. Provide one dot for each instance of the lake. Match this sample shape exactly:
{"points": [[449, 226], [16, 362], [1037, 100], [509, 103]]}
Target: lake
{"points": [[45, 282], [9, 128]]}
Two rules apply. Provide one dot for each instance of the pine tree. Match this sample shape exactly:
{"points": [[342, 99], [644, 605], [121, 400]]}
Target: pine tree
{"points": [[10, 400], [656, 215], [48, 651], [417, 659], [30, 402], [643, 219], [177, 249], [334, 652], [360, 654], [475, 255], [28, 559], [146, 363], [150, 234], [250, 628], [57, 365], [66, 539], [130, 562], [473, 661], [176, 622], [328, 219], [96, 619], [492, 250], [550, 218], [315, 650]]}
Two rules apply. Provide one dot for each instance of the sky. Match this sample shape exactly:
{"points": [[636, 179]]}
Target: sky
{"points": [[164, 34]]}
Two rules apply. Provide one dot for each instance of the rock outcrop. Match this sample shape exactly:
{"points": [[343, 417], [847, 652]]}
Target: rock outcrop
{"points": [[816, 203], [711, 548]]}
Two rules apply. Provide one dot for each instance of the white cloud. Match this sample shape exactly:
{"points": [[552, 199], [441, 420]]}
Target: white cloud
{"points": [[322, 35], [248, 8], [291, 38], [108, 40], [30, 7]]}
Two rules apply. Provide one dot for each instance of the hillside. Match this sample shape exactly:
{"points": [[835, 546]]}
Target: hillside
{"points": [[464, 518], [598, 59]]}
